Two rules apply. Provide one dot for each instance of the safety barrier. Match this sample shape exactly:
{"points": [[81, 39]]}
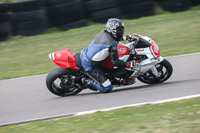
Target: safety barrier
{"points": [[33, 17]]}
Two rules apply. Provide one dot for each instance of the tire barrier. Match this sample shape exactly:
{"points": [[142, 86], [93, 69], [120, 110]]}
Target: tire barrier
{"points": [[28, 18], [65, 14], [137, 8], [4, 7], [33, 17], [175, 5], [75, 24], [102, 16], [101, 10], [50, 3], [30, 28], [195, 2], [5, 25]]}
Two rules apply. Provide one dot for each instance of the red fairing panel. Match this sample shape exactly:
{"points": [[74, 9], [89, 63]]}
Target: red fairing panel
{"points": [[121, 50], [107, 63], [65, 59], [155, 49]]}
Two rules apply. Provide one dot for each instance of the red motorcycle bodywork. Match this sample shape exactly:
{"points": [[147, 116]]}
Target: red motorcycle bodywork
{"points": [[122, 50], [155, 49], [64, 59]]}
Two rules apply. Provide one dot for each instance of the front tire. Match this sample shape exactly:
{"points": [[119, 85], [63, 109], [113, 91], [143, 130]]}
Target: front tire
{"points": [[164, 69], [58, 82]]}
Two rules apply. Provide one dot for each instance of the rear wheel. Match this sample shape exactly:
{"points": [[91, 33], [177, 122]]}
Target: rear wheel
{"points": [[164, 69], [61, 82]]}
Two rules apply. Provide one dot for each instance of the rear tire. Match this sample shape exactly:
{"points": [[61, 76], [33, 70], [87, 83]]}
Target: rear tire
{"points": [[60, 89], [165, 70]]}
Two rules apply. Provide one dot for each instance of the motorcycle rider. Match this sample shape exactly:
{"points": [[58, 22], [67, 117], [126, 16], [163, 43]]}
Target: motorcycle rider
{"points": [[103, 45]]}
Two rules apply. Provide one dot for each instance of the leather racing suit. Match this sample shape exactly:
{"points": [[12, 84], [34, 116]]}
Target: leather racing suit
{"points": [[91, 57]]}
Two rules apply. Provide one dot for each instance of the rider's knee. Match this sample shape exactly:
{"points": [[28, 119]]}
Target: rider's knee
{"points": [[104, 89], [108, 89]]}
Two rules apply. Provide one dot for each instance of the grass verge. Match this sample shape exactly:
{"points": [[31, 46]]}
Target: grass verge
{"points": [[174, 117], [176, 33]]}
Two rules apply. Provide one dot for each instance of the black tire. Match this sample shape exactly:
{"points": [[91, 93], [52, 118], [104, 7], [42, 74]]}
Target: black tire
{"points": [[30, 25], [104, 15], [57, 2], [138, 8], [58, 73], [4, 17], [195, 2], [4, 7], [164, 68], [5, 36], [32, 32], [65, 19], [95, 5], [24, 6], [76, 24], [138, 15], [132, 1], [29, 28], [29, 15], [5, 31], [64, 9], [5, 28], [175, 5]]}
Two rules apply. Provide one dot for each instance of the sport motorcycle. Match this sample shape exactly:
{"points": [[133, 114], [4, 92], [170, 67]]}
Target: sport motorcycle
{"points": [[66, 79]]}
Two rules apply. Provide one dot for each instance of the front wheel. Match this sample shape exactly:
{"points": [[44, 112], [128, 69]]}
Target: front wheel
{"points": [[164, 69], [61, 82]]}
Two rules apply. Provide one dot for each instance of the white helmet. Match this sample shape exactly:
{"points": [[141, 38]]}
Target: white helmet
{"points": [[115, 27]]}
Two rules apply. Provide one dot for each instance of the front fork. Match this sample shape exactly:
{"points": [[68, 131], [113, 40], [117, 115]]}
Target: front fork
{"points": [[146, 65]]}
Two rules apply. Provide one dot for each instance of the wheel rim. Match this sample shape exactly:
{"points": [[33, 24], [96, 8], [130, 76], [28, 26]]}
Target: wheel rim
{"points": [[149, 77], [61, 88], [162, 71]]}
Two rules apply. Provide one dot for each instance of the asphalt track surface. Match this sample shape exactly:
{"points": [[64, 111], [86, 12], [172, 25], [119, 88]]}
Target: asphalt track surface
{"points": [[27, 99]]}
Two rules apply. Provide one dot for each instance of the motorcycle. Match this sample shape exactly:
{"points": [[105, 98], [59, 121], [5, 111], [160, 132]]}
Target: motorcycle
{"points": [[66, 80]]}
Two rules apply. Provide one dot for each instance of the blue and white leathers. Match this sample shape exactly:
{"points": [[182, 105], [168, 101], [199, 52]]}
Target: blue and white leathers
{"points": [[92, 56]]}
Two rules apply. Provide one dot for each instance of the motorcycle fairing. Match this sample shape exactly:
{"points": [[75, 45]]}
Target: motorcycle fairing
{"points": [[143, 42], [64, 59], [155, 49], [147, 46]]}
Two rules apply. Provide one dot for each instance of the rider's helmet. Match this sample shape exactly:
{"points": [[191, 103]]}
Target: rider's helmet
{"points": [[115, 27]]}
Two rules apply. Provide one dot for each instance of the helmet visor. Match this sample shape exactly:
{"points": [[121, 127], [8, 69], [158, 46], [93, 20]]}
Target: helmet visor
{"points": [[120, 32]]}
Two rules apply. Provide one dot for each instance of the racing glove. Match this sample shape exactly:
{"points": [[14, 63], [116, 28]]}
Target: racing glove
{"points": [[130, 38]]}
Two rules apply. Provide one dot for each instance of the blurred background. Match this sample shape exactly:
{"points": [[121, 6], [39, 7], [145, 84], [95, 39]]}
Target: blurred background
{"points": [[33, 17]]}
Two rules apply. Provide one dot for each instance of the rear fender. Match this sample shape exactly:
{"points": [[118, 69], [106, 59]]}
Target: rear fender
{"points": [[64, 59]]}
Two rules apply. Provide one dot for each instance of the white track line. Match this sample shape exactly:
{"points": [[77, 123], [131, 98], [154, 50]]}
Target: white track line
{"points": [[105, 109], [138, 104]]}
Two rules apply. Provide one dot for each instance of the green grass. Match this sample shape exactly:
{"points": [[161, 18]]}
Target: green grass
{"points": [[176, 33], [11, 1], [174, 117]]}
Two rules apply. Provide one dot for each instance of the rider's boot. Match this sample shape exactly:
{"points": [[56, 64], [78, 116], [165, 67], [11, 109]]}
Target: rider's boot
{"points": [[129, 81], [88, 83]]}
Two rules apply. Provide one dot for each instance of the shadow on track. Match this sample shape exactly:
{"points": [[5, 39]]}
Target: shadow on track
{"points": [[132, 87], [146, 86]]}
